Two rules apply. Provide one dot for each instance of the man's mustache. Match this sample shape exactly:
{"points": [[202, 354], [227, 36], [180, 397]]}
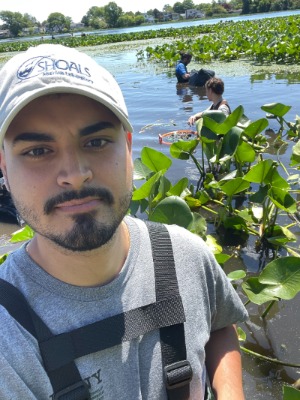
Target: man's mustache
{"points": [[104, 194]]}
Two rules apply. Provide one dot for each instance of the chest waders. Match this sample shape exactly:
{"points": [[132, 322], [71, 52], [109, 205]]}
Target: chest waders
{"points": [[166, 314]]}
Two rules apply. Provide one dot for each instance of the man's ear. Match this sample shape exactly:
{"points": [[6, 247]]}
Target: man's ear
{"points": [[3, 169]]}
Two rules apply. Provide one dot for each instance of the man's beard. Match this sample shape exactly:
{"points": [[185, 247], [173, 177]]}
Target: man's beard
{"points": [[87, 233]]}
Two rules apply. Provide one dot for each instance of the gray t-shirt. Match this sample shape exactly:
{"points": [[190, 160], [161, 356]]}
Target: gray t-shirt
{"points": [[132, 370]]}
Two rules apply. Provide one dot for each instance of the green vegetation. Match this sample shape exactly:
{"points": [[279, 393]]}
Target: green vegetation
{"points": [[263, 41], [111, 15], [247, 193], [96, 40]]}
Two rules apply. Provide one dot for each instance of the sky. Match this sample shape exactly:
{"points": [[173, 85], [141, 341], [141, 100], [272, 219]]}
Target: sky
{"points": [[76, 9]]}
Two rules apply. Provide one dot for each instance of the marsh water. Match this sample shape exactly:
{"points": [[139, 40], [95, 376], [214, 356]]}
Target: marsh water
{"points": [[158, 105]]}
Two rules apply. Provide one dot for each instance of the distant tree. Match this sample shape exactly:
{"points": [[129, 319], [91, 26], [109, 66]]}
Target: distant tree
{"points": [[188, 4], [30, 20], [246, 7], [264, 6], [158, 16], [112, 12], [167, 8], [217, 8], [13, 21], [125, 20], [94, 16], [178, 7], [225, 5], [139, 20], [57, 22], [295, 4], [236, 4]]}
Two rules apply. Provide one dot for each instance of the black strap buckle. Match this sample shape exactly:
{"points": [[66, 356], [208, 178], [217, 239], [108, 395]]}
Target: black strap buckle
{"points": [[178, 374], [78, 391]]}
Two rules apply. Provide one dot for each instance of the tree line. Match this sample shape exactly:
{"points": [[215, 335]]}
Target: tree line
{"points": [[112, 16]]}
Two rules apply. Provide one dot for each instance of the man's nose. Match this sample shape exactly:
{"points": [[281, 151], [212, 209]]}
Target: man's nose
{"points": [[74, 171]]}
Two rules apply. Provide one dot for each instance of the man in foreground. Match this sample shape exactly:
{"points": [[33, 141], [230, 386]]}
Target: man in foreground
{"points": [[66, 159]]}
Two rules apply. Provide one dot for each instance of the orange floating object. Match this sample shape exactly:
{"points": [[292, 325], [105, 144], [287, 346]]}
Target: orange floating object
{"points": [[177, 134]]}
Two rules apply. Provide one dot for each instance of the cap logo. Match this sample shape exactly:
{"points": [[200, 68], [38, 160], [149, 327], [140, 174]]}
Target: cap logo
{"points": [[49, 66]]}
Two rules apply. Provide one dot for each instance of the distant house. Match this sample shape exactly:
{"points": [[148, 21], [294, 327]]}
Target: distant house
{"points": [[77, 25], [33, 30], [149, 18], [4, 33], [175, 16], [192, 13]]}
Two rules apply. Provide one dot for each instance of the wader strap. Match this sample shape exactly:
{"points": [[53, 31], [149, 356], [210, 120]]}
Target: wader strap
{"points": [[68, 377], [177, 370]]}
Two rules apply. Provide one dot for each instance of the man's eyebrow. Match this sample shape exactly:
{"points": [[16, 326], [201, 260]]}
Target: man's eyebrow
{"points": [[33, 137], [99, 126]]}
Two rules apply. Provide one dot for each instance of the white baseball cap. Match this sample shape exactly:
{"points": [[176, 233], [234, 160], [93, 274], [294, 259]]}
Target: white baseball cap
{"points": [[53, 68]]}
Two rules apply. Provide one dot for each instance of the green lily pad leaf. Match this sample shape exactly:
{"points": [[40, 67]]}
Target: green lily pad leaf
{"points": [[229, 176], [192, 202], [134, 207], [172, 210], [282, 277], [235, 222], [277, 180], [277, 109], [155, 160], [203, 196], [182, 149], [22, 234], [163, 188], [141, 171], [283, 200], [295, 157], [3, 257], [234, 186], [146, 189], [278, 240], [255, 291], [213, 116], [214, 246], [198, 225], [222, 258], [280, 235], [208, 136], [179, 187], [233, 118], [260, 195], [259, 172], [256, 127], [230, 142], [290, 393], [241, 334], [245, 153], [220, 125], [236, 275]]}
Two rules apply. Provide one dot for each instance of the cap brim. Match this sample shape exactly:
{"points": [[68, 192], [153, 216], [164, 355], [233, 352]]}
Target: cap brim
{"points": [[28, 97]]}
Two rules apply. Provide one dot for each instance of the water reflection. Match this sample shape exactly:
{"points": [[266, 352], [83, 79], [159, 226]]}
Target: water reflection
{"points": [[287, 76]]}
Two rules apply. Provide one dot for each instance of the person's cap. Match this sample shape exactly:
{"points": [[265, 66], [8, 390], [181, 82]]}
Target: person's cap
{"points": [[53, 68]]}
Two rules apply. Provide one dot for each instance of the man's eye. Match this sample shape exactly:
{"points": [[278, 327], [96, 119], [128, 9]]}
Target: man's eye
{"points": [[97, 142], [37, 152]]}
